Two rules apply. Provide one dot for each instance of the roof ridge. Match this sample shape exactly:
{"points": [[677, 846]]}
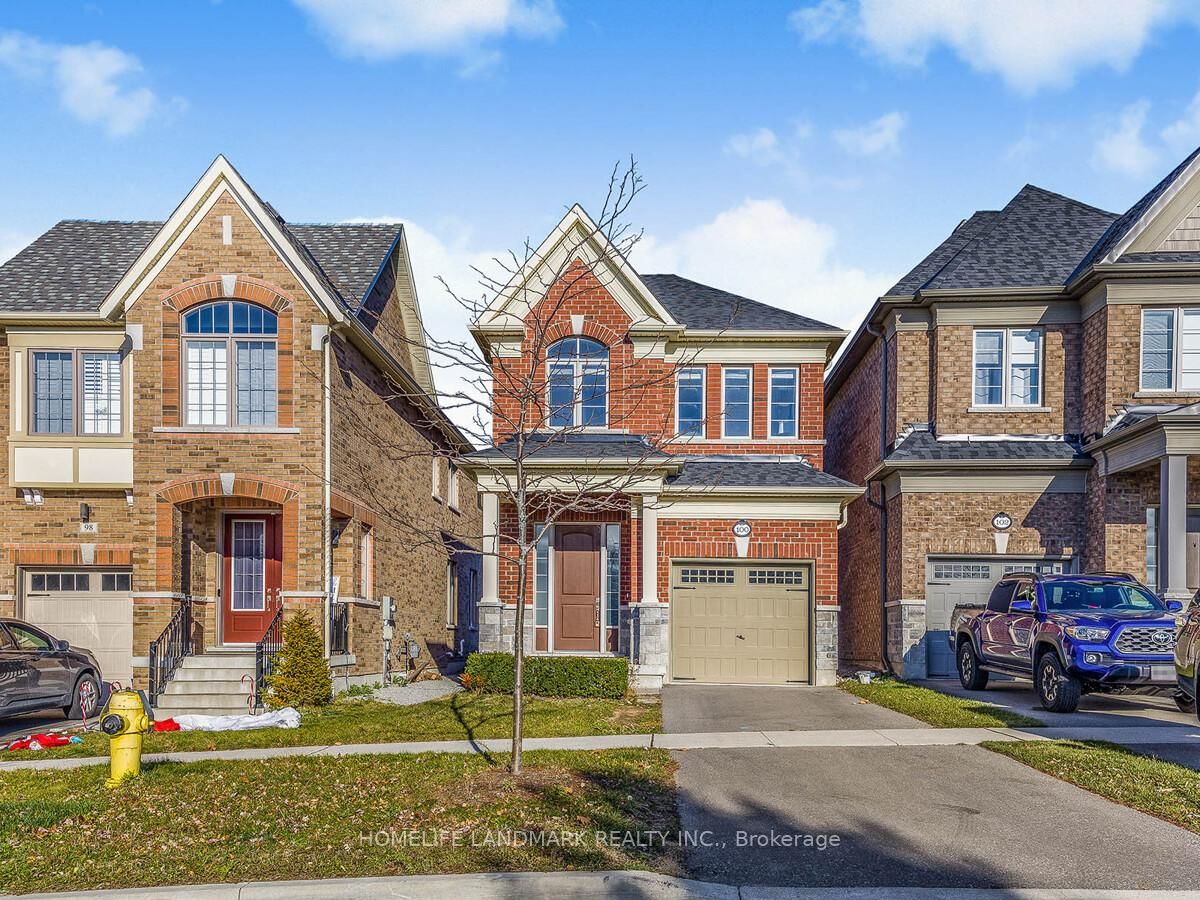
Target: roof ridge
{"points": [[73, 221], [996, 215], [1058, 196]]}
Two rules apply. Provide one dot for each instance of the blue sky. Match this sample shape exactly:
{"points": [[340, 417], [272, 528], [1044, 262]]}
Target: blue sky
{"points": [[805, 153]]}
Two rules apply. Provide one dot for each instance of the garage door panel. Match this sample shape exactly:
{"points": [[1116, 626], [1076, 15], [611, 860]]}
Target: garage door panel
{"points": [[768, 606], [88, 618]]}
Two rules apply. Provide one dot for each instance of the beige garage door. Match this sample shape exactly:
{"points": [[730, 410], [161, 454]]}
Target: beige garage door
{"points": [[740, 623], [89, 609]]}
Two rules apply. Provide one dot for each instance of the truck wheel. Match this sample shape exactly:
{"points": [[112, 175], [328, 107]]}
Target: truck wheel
{"points": [[1058, 691], [972, 677], [1185, 703]]}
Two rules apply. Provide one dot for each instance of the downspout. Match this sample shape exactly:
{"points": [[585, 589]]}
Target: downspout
{"points": [[327, 500], [881, 503]]}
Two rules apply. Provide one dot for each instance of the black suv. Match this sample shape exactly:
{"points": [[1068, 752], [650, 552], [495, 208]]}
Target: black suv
{"points": [[38, 673]]}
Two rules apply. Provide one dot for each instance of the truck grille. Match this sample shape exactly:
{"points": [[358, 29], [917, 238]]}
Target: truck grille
{"points": [[1144, 639]]}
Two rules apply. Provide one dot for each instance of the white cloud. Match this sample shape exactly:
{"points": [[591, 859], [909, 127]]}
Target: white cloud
{"points": [[1184, 132], [763, 251], [1031, 44], [760, 146], [93, 80], [880, 135], [382, 29], [1122, 148]]}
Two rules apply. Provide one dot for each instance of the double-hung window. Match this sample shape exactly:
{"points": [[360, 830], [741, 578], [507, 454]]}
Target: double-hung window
{"points": [[784, 406], [689, 402], [1171, 350], [735, 389], [577, 383], [75, 392], [230, 364], [1008, 367]]}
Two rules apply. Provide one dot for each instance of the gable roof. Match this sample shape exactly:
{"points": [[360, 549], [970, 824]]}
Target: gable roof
{"points": [[707, 308], [924, 271], [1124, 225]]}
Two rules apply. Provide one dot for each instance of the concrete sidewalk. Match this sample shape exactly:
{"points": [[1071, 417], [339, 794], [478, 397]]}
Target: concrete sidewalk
{"points": [[555, 885], [717, 740]]}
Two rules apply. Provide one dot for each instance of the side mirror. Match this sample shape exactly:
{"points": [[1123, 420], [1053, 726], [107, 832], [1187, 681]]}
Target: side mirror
{"points": [[1174, 605], [61, 646], [1021, 606]]}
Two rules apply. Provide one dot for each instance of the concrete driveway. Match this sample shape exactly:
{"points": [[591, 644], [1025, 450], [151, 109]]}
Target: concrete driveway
{"points": [[1095, 711], [710, 707], [30, 723], [915, 816]]}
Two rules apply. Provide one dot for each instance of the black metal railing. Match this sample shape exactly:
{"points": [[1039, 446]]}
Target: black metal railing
{"points": [[169, 648], [266, 651], [339, 628]]}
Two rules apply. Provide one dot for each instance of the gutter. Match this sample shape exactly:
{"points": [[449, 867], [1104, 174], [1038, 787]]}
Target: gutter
{"points": [[327, 498]]}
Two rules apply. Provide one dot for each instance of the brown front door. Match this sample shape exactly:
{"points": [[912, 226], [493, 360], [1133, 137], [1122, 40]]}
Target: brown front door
{"points": [[252, 576], [576, 587]]}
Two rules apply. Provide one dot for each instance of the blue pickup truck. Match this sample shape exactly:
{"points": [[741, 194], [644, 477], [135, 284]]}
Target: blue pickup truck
{"points": [[1071, 635]]}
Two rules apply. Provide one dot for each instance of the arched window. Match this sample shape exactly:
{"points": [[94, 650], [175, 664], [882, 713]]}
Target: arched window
{"points": [[577, 383], [229, 371]]}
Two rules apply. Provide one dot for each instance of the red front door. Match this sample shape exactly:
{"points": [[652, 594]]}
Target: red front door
{"points": [[577, 587], [252, 576]]}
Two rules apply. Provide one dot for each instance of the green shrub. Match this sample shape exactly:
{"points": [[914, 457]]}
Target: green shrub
{"points": [[552, 676], [301, 676]]}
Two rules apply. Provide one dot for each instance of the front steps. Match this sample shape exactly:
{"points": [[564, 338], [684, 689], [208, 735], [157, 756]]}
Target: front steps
{"points": [[209, 685]]}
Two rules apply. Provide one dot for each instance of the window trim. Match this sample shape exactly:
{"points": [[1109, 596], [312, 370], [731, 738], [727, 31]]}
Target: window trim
{"points": [[578, 363], [451, 485], [1006, 402], [366, 562], [435, 478], [451, 594], [77, 354], [703, 433], [795, 436], [1178, 314], [230, 340], [749, 436]]}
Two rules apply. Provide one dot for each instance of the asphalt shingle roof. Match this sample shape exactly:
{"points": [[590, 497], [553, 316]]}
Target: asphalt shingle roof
{"points": [[750, 471], [573, 445], [1121, 225], [74, 265], [924, 446], [966, 231], [707, 308]]}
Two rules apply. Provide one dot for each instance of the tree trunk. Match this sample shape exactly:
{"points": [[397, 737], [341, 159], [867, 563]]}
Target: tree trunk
{"points": [[519, 667]]}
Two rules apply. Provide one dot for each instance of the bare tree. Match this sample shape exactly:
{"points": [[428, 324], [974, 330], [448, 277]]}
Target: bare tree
{"points": [[523, 413]]}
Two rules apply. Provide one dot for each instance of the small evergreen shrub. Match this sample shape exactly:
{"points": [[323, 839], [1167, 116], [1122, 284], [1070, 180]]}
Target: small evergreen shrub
{"points": [[301, 676], [551, 676]]}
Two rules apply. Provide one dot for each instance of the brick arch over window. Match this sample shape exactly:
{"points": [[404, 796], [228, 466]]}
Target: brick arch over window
{"points": [[597, 331], [241, 487], [198, 291]]}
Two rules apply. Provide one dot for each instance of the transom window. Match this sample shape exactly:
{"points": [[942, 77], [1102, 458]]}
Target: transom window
{"points": [[230, 364], [1008, 367], [736, 414], [784, 388], [1171, 350], [706, 576], [75, 392], [689, 402], [577, 383]]}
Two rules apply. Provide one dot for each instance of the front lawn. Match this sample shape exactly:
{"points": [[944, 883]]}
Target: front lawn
{"points": [[1161, 789], [459, 717], [311, 817], [936, 708]]}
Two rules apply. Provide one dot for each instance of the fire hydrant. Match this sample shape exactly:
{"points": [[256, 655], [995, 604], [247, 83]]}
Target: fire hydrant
{"points": [[125, 721]]}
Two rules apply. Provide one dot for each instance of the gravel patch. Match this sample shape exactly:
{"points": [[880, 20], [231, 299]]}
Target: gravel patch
{"points": [[418, 691]]}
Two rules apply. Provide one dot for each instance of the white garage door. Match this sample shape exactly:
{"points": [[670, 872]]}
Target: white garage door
{"points": [[89, 609], [951, 582], [740, 623]]}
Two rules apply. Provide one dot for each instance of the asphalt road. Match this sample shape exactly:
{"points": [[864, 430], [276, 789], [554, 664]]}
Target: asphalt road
{"points": [[20, 726], [916, 816]]}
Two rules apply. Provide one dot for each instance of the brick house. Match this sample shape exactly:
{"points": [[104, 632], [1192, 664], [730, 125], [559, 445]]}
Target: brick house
{"points": [[715, 559], [1023, 398], [224, 411]]}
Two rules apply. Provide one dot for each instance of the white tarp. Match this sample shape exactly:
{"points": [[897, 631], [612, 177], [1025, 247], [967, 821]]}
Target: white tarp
{"points": [[287, 717]]}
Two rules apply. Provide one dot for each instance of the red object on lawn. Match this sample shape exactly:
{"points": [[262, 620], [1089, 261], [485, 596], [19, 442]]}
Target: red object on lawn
{"points": [[166, 725], [42, 741]]}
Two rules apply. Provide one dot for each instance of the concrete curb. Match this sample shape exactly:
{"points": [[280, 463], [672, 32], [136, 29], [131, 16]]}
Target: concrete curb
{"points": [[555, 885], [718, 740]]}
